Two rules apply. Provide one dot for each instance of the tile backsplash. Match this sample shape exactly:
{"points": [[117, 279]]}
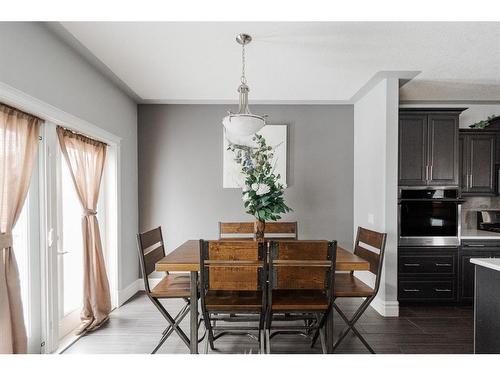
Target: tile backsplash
{"points": [[474, 204]]}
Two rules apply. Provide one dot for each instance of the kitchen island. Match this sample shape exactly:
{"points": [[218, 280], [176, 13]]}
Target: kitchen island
{"points": [[487, 305]]}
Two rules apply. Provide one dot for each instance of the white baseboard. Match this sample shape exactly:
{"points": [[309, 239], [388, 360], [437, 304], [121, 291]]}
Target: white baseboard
{"points": [[138, 285], [126, 293], [386, 308]]}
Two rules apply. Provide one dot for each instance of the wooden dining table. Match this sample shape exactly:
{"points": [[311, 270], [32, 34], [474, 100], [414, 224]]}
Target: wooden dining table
{"points": [[186, 258]]}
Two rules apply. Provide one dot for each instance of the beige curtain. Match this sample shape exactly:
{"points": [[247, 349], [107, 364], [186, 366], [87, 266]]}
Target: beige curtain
{"points": [[85, 158], [18, 146]]}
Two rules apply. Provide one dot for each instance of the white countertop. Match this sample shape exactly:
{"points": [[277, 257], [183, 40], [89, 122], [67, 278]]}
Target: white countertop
{"points": [[493, 263], [476, 234]]}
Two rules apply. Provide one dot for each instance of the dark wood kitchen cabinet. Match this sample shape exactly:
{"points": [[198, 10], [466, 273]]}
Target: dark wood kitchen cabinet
{"points": [[428, 147], [427, 274], [468, 250], [477, 162]]}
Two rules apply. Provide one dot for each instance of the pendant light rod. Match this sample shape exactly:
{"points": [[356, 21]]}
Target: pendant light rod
{"points": [[243, 122]]}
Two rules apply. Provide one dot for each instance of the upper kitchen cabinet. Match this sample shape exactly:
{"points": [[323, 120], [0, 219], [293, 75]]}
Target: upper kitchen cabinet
{"points": [[428, 147], [477, 162]]}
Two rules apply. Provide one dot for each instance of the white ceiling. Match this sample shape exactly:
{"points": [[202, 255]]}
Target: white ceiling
{"points": [[295, 62]]}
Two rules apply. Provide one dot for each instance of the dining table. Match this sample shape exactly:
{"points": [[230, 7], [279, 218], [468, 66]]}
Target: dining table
{"points": [[186, 258]]}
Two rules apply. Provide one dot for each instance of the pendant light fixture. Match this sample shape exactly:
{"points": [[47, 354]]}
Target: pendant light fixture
{"points": [[243, 123]]}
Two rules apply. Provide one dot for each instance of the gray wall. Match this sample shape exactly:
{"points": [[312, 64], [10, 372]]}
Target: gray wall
{"points": [[180, 170], [35, 61]]}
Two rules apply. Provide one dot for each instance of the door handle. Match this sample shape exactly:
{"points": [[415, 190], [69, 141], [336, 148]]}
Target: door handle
{"points": [[411, 290], [443, 265], [475, 245], [442, 290], [427, 173], [430, 173], [470, 181], [62, 252], [412, 265]]}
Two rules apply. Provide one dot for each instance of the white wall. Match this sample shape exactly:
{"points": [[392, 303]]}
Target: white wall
{"points": [[36, 62], [375, 180]]}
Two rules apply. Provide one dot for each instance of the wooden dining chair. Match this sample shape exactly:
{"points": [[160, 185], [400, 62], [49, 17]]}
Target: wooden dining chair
{"points": [[273, 230], [233, 280], [172, 286], [370, 246], [301, 282]]}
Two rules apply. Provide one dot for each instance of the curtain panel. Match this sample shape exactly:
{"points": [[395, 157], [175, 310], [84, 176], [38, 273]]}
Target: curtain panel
{"points": [[85, 158], [18, 147]]}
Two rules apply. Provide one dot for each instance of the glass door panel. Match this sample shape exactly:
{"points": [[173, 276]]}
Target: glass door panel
{"points": [[70, 254]]}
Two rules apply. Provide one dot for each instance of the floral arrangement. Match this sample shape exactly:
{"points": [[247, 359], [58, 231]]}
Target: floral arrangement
{"points": [[262, 193]]}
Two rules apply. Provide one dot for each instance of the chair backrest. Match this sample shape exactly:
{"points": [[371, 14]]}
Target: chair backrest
{"points": [[272, 230], [232, 265], [376, 242], [151, 250], [302, 265]]}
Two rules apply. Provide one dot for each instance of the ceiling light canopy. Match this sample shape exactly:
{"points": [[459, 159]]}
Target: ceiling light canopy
{"points": [[243, 122]]}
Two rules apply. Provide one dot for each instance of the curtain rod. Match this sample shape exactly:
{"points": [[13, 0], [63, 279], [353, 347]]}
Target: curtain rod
{"points": [[81, 134], [23, 112]]}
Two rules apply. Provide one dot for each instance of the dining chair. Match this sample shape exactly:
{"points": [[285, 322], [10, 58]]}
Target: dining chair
{"points": [[233, 281], [370, 246], [272, 230], [301, 282], [172, 286]]}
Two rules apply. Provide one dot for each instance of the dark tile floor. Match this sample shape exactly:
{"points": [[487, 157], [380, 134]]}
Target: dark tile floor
{"points": [[136, 328]]}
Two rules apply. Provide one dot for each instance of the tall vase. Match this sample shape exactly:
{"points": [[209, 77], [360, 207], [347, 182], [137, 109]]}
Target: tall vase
{"points": [[259, 227]]}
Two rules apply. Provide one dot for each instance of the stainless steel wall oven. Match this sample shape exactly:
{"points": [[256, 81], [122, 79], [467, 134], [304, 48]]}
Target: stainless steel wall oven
{"points": [[429, 217]]}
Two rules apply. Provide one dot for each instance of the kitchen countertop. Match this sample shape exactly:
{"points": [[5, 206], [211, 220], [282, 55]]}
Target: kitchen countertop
{"points": [[476, 234], [492, 263]]}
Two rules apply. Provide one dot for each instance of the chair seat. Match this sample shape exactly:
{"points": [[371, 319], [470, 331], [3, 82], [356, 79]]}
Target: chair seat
{"points": [[299, 300], [347, 285], [175, 285], [221, 300]]}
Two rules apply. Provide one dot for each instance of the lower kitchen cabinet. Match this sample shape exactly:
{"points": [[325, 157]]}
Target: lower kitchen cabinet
{"points": [[428, 289], [468, 250], [441, 274], [427, 274]]}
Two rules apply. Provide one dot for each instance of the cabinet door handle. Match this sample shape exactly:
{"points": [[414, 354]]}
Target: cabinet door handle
{"points": [[470, 181], [475, 245], [443, 264], [427, 173], [412, 264], [442, 290], [411, 290], [430, 173]]}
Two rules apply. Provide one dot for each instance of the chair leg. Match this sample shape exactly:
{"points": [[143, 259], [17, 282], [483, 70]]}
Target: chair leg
{"points": [[167, 332], [350, 324], [262, 320], [208, 327], [169, 318], [321, 330], [269, 319], [206, 344], [321, 324]]}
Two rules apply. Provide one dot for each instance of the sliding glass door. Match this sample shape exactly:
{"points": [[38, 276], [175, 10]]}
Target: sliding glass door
{"points": [[26, 235], [48, 245], [69, 252]]}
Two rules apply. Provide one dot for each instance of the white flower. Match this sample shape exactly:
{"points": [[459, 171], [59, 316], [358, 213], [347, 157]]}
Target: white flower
{"points": [[245, 188], [255, 187], [263, 189]]}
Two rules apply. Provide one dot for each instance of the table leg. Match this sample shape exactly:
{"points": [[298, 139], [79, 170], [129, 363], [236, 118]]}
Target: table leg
{"points": [[329, 332], [194, 313]]}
